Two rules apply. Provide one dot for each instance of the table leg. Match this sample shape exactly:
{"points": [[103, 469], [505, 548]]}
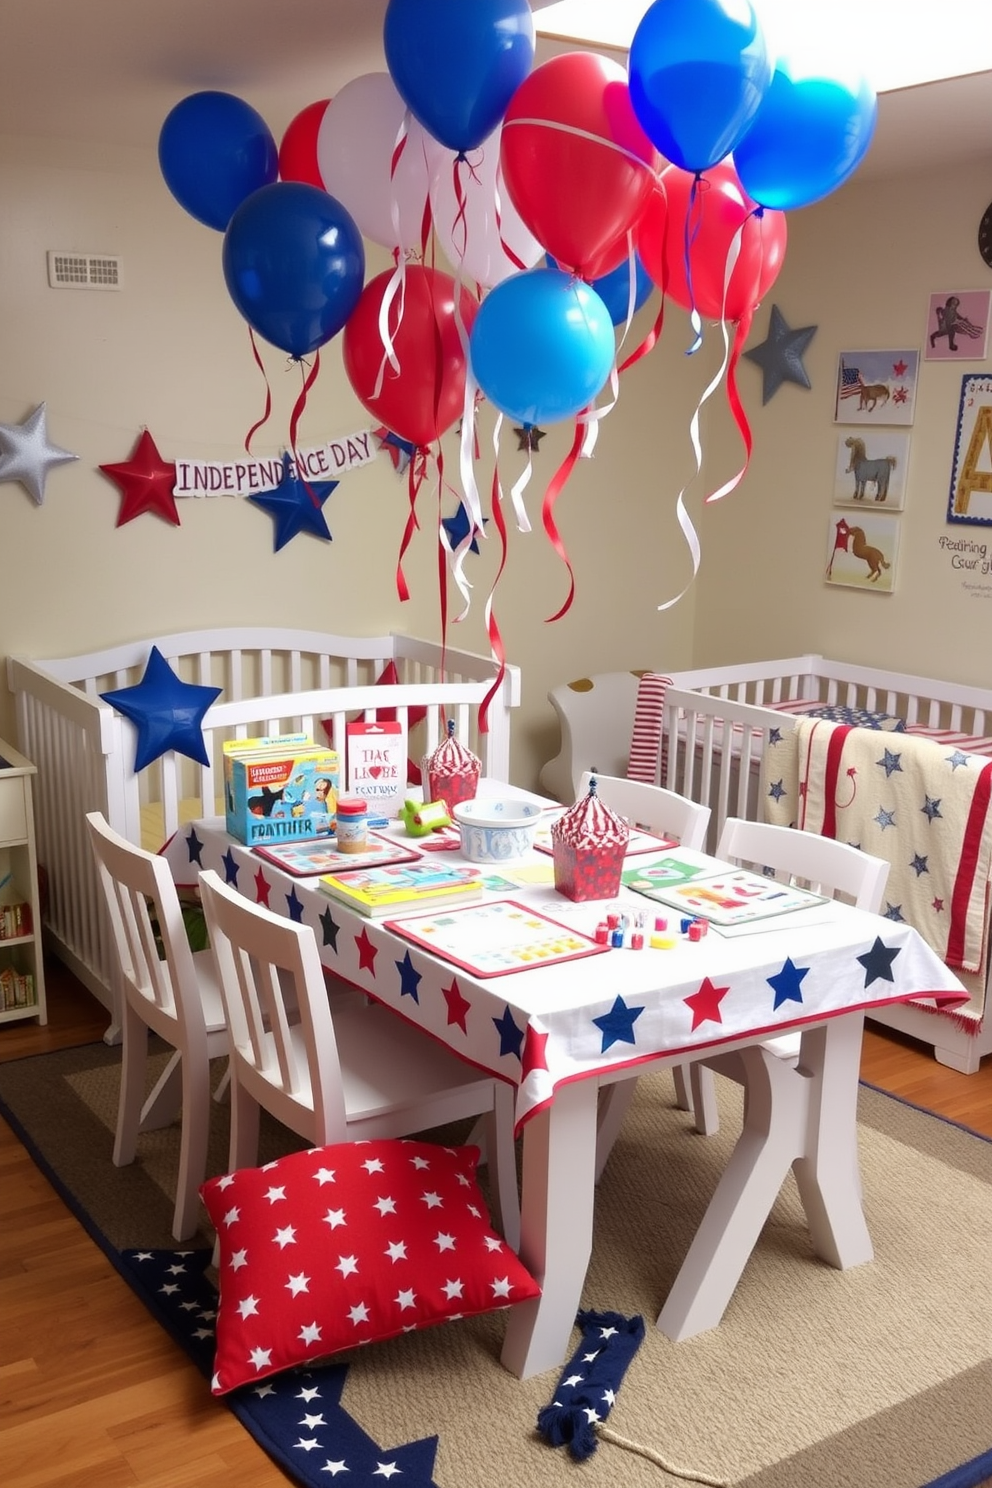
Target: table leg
{"points": [[555, 1227]]}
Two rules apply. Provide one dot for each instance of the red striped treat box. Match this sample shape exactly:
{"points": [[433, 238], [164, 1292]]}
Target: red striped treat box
{"points": [[588, 844]]}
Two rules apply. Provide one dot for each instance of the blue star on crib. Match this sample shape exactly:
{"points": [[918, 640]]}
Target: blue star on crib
{"points": [[167, 712]]}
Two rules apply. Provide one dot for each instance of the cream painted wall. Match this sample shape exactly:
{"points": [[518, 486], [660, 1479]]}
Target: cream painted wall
{"points": [[170, 352], [861, 266]]}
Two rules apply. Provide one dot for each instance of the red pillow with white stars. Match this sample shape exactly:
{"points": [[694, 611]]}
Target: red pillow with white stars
{"points": [[338, 1246]]}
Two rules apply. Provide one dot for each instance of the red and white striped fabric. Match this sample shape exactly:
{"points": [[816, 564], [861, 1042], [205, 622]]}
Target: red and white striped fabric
{"points": [[645, 741]]}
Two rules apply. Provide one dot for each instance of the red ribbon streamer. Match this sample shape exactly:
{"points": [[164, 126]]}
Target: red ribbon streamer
{"points": [[741, 333], [298, 407], [557, 484], [268, 393], [496, 647], [416, 475]]}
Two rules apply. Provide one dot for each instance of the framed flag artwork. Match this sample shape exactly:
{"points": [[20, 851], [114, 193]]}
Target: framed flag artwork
{"points": [[870, 468], [876, 387], [862, 551]]}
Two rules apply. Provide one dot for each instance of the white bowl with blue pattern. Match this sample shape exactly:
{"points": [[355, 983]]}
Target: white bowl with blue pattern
{"points": [[495, 829]]}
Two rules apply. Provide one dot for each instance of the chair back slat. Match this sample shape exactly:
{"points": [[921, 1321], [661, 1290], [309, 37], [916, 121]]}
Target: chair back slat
{"points": [[652, 808], [821, 864]]}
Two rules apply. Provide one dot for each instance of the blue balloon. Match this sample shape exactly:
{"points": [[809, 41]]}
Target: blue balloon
{"points": [[808, 136], [698, 71], [457, 63], [214, 150], [542, 346], [614, 288], [294, 263]]}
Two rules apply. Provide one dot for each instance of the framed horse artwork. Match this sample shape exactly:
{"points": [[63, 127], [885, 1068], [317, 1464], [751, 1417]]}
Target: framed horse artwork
{"points": [[870, 468], [861, 553], [876, 387]]}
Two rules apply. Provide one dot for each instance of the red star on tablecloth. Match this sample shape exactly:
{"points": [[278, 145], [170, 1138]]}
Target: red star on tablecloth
{"points": [[147, 482], [457, 1005], [535, 1056], [366, 952], [262, 889], [705, 1003]]}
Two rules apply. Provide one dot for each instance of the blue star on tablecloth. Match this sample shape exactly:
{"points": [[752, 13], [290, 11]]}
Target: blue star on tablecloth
{"points": [[617, 1026], [786, 983], [296, 505], [510, 1036], [231, 868], [878, 963], [410, 978], [330, 928], [458, 526], [194, 847], [295, 906], [167, 712], [890, 762]]}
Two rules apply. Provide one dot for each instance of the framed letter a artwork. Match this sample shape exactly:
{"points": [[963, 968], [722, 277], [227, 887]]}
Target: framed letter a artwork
{"points": [[970, 498]]}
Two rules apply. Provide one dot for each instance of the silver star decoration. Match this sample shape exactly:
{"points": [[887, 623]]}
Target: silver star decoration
{"points": [[780, 356], [27, 454]]}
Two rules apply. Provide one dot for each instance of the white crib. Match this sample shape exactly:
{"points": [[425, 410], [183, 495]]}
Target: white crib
{"points": [[273, 681]]}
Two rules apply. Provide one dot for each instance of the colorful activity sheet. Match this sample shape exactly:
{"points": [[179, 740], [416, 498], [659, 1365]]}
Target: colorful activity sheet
{"points": [[729, 898], [665, 873], [304, 859], [496, 937]]}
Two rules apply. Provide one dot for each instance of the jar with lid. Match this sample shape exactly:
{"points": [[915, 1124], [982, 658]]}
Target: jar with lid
{"points": [[352, 824]]}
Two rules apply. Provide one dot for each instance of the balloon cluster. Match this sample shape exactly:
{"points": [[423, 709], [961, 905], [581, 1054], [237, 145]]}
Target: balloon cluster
{"points": [[561, 192]]}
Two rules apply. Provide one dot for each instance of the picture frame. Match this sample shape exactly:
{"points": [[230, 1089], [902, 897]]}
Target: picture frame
{"points": [[958, 326], [863, 555], [870, 468], [876, 387], [969, 500]]}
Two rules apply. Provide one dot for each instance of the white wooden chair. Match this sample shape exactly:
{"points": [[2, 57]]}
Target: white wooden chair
{"points": [[822, 864], [667, 814], [172, 991], [595, 716], [342, 1072]]}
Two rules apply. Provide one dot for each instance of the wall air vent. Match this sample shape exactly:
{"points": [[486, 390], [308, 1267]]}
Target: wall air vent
{"points": [[83, 270]]}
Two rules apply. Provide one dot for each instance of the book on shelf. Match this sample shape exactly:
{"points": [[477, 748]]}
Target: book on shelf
{"points": [[15, 921], [393, 887], [16, 989]]}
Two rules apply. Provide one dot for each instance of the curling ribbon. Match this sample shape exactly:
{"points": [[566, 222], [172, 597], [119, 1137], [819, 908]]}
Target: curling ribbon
{"points": [[520, 484], [268, 393], [397, 281], [496, 647], [517, 262], [416, 475], [298, 407], [555, 488]]}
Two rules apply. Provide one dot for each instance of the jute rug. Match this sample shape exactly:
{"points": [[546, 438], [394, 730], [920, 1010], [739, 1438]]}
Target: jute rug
{"points": [[880, 1377]]}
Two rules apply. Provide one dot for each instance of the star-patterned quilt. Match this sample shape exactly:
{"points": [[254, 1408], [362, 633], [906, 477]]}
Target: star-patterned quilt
{"points": [[550, 1024], [921, 805]]}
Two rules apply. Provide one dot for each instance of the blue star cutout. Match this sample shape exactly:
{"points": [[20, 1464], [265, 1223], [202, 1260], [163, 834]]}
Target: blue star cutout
{"points": [[786, 983], [890, 762], [780, 355], [194, 847], [957, 758], [167, 712], [617, 1025], [776, 790], [931, 807], [878, 963], [457, 528], [297, 506], [894, 912], [410, 978], [919, 865], [885, 818], [330, 928], [295, 906], [510, 1036], [230, 868]]}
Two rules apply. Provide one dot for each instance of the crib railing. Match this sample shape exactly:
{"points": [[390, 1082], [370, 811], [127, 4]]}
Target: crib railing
{"points": [[273, 682]]}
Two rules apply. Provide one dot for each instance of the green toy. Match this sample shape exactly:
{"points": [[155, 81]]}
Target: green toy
{"points": [[420, 818]]}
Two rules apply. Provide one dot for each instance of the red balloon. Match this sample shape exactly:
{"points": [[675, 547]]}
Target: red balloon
{"points": [[579, 196], [298, 151], [425, 397], [714, 215]]}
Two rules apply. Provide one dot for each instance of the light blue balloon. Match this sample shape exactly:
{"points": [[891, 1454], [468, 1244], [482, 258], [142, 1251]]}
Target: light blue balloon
{"points": [[698, 71], [542, 346], [808, 136]]}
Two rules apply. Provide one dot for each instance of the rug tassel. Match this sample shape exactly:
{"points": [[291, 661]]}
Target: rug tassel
{"points": [[651, 1455]]}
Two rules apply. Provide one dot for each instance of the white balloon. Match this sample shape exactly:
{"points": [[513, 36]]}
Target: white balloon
{"points": [[355, 145], [475, 242]]}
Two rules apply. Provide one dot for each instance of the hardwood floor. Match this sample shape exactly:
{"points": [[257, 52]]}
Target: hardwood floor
{"points": [[91, 1388]]}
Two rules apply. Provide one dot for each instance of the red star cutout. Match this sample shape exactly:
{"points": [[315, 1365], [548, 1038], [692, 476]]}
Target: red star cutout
{"points": [[899, 368], [147, 482], [262, 889], [367, 952], [705, 1003], [535, 1046], [938, 906], [457, 1006]]}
